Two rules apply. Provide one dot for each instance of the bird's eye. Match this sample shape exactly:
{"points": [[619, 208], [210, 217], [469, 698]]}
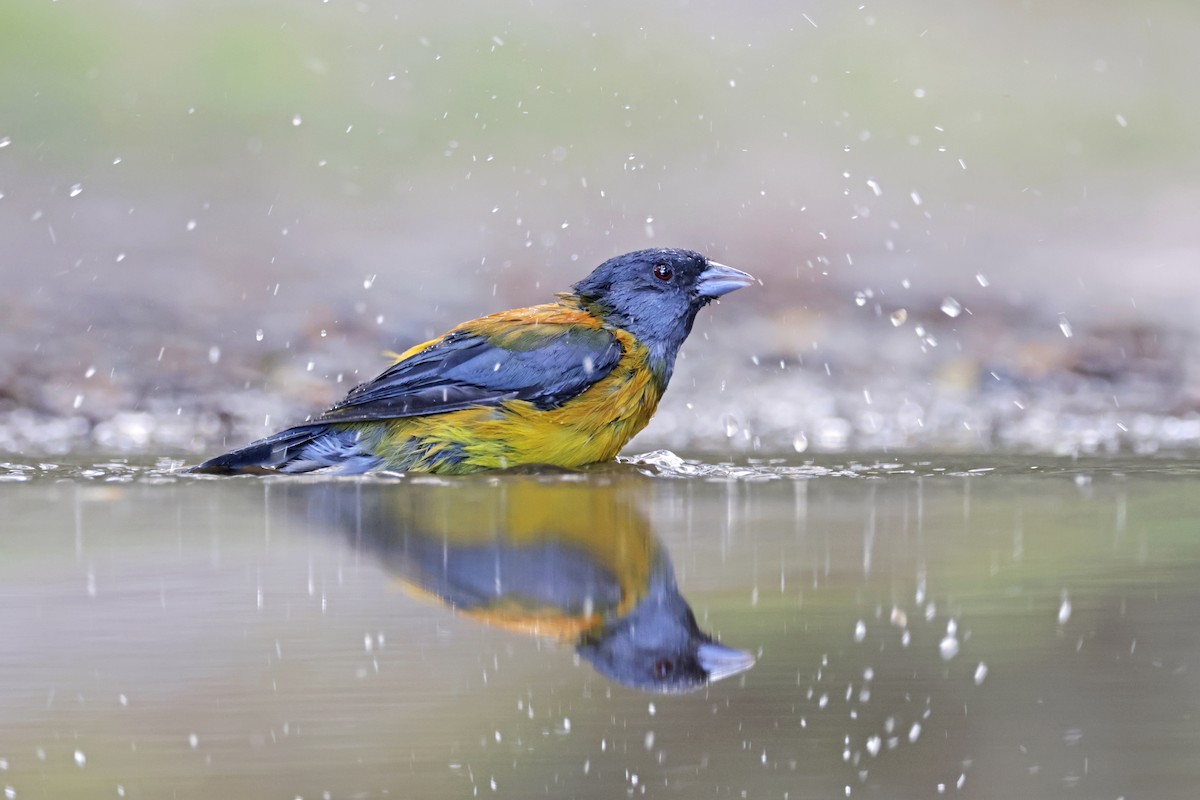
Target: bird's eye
{"points": [[662, 668], [663, 272]]}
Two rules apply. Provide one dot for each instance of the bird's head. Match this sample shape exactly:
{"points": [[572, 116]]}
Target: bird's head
{"points": [[656, 294]]}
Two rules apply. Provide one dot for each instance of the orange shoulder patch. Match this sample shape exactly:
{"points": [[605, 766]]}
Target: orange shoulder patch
{"points": [[546, 314], [502, 322]]}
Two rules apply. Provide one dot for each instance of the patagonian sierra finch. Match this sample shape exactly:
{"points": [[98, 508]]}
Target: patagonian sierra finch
{"points": [[564, 383]]}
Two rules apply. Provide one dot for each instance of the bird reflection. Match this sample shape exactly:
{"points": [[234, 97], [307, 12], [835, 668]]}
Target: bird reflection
{"points": [[563, 557]]}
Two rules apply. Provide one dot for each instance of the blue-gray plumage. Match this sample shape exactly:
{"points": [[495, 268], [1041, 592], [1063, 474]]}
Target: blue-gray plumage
{"points": [[659, 305], [545, 367]]}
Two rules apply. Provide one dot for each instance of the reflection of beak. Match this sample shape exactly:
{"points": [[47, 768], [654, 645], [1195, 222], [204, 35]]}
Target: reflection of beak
{"points": [[720, 661], [718, 279]]}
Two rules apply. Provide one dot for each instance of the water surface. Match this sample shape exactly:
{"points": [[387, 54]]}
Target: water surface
{"points": [[990, 627]]}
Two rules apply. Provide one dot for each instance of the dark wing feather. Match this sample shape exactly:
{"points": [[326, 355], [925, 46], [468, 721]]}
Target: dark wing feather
{"points": [[545, 364]]}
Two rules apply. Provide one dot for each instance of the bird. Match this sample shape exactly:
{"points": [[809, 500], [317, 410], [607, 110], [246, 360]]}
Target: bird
{"points": [[541, 555], [565, 383]]}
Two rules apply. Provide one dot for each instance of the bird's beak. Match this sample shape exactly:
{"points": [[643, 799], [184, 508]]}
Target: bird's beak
{"points": [[718, 279], [718, 660]]}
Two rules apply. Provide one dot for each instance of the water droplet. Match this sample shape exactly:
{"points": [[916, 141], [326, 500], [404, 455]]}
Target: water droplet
{"points": [[899, 316], [916, 197], [1121, 121], [875, 187], [982, 279], [800, 442], [214, 354], [369, 281], [80, 759], [193, 741], [76, 190], [258, 335], [980, 673], [860, 631], [1064, 610], [191, 225], [731, 425], [5, 141], [951, 307], [918, 93], [1065, 327], [297, 121], [948, 647], [860, 299], [914, 732]]}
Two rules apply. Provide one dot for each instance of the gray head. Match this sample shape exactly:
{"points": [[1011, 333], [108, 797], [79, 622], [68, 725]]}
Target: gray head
{"points": [[658, 647], [655, 295]]}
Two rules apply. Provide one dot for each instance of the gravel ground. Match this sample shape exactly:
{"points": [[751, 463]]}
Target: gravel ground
{"points": [[975, 230]]}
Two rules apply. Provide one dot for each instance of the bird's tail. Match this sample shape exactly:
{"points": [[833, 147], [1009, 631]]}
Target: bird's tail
{"points": [[304, 448]]}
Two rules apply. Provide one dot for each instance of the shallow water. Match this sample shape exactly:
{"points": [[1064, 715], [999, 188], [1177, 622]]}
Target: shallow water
{"points": [[989, 627]]}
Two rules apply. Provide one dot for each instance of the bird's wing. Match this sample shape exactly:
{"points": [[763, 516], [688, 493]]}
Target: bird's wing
{"points": [[545, 364]]}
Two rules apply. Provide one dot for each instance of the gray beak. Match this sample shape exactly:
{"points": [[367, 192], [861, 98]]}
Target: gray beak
{"points": [[718, 279], [718, 660]]}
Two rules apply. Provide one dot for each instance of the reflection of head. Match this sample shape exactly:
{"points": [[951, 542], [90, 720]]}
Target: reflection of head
{"points": [[558, 557], [659, 648]]}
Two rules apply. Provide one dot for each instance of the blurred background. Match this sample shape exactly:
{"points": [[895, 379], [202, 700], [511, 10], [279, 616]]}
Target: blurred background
{"points": [[976, 225]]}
